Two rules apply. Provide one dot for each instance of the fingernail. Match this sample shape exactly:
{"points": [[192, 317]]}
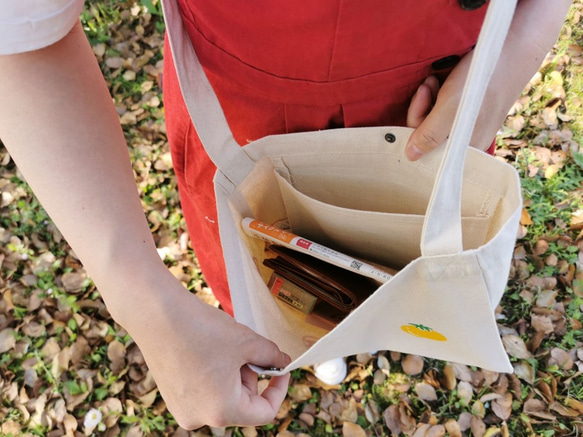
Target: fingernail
{"points": [[413, 153], [286, 359]]}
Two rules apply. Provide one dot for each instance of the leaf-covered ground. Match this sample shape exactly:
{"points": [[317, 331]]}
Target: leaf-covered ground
{"points": [[67, 369]]}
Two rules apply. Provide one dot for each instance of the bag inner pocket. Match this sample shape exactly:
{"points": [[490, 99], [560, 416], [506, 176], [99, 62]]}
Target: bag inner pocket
{"points": [[388, 238]]}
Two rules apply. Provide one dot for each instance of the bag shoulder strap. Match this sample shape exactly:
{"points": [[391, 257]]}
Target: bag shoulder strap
{"points": [[207, 115], [442, 229]]}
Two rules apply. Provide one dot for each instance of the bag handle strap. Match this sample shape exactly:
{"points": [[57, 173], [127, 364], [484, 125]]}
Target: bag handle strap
{"points": [[442, 229], [211, 125]]}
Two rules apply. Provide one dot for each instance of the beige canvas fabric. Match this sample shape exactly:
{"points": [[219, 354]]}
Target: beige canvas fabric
{"points": [[448, 221]]}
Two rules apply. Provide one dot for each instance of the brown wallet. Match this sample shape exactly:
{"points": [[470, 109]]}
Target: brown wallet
{"points": [[337, 291]]}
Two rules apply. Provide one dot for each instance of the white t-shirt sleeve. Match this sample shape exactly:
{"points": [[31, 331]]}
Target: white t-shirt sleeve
{"points": [[27, 25]]}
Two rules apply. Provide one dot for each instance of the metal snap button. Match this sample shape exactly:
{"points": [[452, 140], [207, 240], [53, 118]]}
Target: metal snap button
{"points": [[390, 138]]}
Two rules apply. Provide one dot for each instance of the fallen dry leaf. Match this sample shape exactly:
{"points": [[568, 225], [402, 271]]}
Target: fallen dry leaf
{"points": [[412, 364], [397, 420], [436, 431], [478, 409], [462, 372], [70, 424], [383, 363], [545, 391], [453, 428], [465, 392], [449, 381], [7, 340], [515, 124], [421, 430], [136, 431], [249, 431], [74, 282], [564, 411], [116, 352], [379, 376], [542, 324], [574, 404], [551, 120], [502, 407], [492, 432], [300, 392], [349, 411], [464, 421], [561, 358], [34, 329], [515, 347], [546, 298], [114, 62], [112, 409], [524, 371], [477, 426], [525, 218], [350, 429], [537, 408], [371, 412], [425, 392]]}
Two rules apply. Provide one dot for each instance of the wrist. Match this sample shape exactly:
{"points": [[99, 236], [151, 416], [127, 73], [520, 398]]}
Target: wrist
{"points": [[138, 290]]}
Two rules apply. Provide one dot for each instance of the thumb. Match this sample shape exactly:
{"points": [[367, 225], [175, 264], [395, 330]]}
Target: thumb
{"points": [[258, 408], [430, 134], [265, 353]]}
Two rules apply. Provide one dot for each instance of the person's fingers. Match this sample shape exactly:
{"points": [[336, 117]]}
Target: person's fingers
{"points": [[249, 381], [422, 102], [430, 133], [419, 107], [433, 85], [260, 408], [276, 391], [277, 384], [265, 353]]}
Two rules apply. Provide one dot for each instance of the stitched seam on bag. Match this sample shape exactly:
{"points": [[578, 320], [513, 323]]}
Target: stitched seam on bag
{"points": [[487, 205], [282, 170], [486, 282], [482, 212], [489, 191], [342, 210], [230, 189]]}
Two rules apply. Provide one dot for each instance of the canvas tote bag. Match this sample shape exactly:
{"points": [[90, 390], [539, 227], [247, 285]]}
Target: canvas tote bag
{"points": [[448, 221]]}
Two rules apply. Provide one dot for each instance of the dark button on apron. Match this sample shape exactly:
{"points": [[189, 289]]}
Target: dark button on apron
{"points": [[470, 5], [445, 63]]}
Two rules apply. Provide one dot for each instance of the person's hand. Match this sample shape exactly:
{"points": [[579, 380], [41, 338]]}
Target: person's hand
{"points": [[198, 357], [422, 102], [523, 52], [432, 111]]}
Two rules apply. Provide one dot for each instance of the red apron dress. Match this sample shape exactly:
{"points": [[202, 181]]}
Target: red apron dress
{"points": [[283, 67]]}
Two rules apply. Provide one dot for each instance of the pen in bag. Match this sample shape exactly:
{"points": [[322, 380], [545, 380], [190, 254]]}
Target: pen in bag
{"points": [[275, 235]]}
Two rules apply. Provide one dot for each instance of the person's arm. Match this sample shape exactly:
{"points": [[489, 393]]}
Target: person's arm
{"points": [[59, 124], [535, 27]]}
